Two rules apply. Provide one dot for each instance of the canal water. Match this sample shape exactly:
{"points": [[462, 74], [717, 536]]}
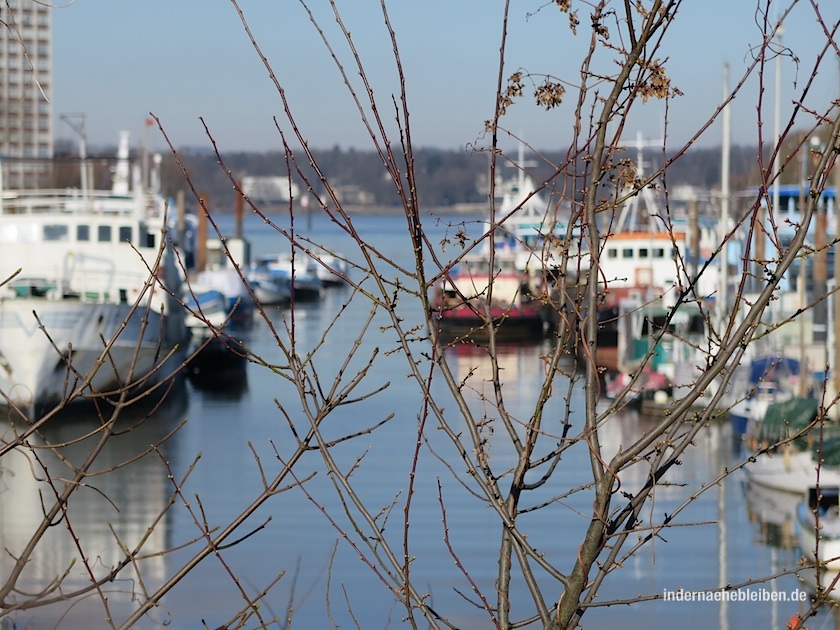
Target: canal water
{"points": [[232, 438]]}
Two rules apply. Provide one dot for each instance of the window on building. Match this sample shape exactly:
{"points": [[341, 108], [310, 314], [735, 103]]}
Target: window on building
{"points": [[612, 252], [82, 232], [643, 252], [627, 252], [125, 233], [104, 234], [658, 252]]}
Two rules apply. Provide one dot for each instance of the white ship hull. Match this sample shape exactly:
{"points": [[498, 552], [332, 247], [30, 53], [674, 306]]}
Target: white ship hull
{"points": [[61, 354], [790, 471]]}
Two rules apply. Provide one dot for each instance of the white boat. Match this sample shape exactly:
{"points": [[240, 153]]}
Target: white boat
{"points": [[644, 270], [299, 275], [207, 312], [792, 466], [331, 269], [270, 289], [238, 305], [535, 227], [789, 470], [89, 311], [818, 522]]}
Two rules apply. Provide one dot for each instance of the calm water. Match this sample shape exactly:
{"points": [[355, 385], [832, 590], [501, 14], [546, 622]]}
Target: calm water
{"points": [[239, 432]]}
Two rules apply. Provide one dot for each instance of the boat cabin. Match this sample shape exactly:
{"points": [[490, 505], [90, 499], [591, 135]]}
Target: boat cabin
{"points": [[69, 246]]}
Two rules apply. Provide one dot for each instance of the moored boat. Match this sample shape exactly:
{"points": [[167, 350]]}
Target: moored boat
{"points": [[818, 523], [95, 306], [331, 268], [509, 292], [269, 289], [472, 301], [270, 274], [784, 456], [238, 305], [766, 380]]}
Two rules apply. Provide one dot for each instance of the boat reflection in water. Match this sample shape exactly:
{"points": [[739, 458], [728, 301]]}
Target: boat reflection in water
{"points": [[121, 504], [518, 363], [773, 515]]}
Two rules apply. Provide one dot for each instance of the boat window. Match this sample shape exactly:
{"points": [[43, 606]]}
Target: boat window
{"points": [[612, 252], [8, 234], [143, 236], [627, 253], [125, 233], [20, 233], [658, 252], [104, 232], [56, 232], [82, 232], [643, 252]]}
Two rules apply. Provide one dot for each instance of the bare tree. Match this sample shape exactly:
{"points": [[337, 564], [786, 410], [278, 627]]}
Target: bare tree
{"points": [[623, 67]]}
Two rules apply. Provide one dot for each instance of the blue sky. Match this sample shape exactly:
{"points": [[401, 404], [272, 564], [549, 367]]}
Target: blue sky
{"points": [[118, 60]]}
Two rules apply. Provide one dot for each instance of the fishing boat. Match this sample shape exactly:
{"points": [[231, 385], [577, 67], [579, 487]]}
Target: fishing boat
{"points": [[90, 304], [648, 386], [536, 227]]}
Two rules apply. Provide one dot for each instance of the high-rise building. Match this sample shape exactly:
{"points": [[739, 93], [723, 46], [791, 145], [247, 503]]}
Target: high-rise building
{"points": [[26, 127]]}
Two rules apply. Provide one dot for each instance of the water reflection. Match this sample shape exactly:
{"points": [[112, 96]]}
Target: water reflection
{"points": [[120, 505], [521, 365], [772, 514]]}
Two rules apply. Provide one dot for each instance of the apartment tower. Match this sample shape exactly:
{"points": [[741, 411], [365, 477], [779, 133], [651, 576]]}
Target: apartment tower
{"points": [[26, 128]]}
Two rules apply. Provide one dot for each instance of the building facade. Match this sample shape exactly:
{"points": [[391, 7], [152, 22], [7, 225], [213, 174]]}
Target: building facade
{"points": [[26, 122]]}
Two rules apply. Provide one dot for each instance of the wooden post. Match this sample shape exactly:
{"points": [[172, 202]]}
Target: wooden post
{"points": [[181, 234], [201, 246], [238, 209]]}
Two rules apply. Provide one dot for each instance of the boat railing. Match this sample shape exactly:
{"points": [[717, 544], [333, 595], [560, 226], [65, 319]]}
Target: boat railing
{"points": [[73, 201], [82, 277]]}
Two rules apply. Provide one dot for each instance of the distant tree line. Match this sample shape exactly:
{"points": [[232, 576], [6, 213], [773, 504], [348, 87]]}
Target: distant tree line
{"points": [[445, 177]]}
